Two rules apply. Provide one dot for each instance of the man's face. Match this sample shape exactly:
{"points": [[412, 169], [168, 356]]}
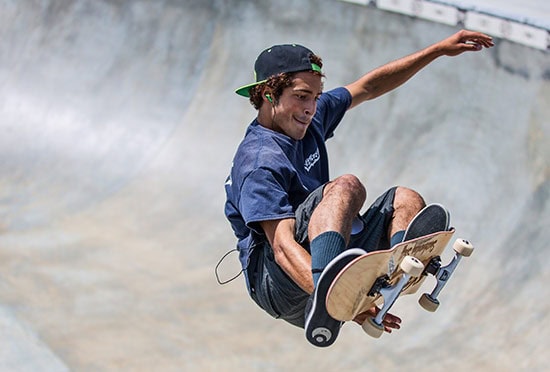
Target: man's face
{"points": [[293, 112]]}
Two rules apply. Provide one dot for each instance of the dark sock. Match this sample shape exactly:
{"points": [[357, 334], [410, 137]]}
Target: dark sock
{"points": [[397, 238], [324, 248]]}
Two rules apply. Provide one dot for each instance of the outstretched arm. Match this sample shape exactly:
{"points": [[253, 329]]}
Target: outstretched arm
{"points": [[390, 76]]}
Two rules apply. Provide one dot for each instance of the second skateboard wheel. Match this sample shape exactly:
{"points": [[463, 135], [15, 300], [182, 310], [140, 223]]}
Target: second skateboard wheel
{"points": [[412, 266], [372, 329], [428, 303]]}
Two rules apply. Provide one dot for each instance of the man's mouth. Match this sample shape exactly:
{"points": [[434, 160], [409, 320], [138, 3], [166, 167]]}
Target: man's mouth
{"points": [[303, 121]]}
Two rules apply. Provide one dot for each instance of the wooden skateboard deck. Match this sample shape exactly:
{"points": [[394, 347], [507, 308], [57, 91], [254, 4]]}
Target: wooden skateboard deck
{"points": [[349, 296]]}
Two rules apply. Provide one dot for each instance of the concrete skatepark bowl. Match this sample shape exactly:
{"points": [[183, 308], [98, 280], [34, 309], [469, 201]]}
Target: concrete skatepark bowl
{"points": [[118, 124]]}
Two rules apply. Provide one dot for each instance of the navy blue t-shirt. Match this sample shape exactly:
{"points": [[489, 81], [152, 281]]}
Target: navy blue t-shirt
{"points": [[272, 173]]}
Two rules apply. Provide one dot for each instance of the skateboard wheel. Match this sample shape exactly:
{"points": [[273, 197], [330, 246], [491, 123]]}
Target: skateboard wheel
{"points": [[372, 329], [412, 266], [428, 303], [463, 247]]}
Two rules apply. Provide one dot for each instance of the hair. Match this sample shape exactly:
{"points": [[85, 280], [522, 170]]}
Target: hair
{"points": [[278, 83]]}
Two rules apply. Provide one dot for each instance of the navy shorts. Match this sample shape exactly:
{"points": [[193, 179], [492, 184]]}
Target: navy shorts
{"points": [[274, 291]]}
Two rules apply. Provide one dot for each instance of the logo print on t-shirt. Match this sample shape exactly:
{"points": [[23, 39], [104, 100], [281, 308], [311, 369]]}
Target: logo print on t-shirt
{"points": [[311, 160]]}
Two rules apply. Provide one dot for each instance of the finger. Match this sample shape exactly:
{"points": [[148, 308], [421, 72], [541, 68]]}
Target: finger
{"points": [[477, 46], [391, 322], [392, 318], [389, 327], [487, 43], [393, 325], [471, 46], [472, 35], [480, 39]]}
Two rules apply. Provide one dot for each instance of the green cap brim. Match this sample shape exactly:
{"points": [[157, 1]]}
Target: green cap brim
{"points": [[245, 90]]}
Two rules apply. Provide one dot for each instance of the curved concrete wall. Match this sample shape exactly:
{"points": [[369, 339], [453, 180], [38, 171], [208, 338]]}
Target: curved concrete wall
{"points": [[119, 123]]}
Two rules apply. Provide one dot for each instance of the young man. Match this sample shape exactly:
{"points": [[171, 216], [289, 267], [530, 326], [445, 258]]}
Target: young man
{"points": [[295, 227]]}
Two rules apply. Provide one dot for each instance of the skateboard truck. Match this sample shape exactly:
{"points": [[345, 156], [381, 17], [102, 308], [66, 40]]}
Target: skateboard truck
{"points": [[411, 268], [462, 248]]}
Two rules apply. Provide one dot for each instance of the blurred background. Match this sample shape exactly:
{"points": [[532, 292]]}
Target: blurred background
{"points": [[118, 124]]}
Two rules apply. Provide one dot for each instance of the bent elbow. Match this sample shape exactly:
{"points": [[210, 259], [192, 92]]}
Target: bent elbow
{"points": [[279, 255]]}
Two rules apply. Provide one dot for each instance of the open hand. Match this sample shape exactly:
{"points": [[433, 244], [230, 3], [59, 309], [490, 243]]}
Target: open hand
{"points": [[464, 41], [390, 321]]}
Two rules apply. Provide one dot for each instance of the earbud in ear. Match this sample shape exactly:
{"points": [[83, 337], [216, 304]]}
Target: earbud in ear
{"points": [[268, 96]]}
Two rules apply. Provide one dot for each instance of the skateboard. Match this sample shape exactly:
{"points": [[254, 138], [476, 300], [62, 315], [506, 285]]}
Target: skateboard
{"points": [[380, 277]]}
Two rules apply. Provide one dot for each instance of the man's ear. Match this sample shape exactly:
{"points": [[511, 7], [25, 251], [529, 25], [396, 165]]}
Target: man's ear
{"points": [[268, 96]]}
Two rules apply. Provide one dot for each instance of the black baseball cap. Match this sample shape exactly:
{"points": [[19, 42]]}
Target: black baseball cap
{"points": [[278, 59]]}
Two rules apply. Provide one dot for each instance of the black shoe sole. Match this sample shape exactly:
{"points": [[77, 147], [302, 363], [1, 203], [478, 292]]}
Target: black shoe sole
{"points": [[322, 329], [433, 218]]}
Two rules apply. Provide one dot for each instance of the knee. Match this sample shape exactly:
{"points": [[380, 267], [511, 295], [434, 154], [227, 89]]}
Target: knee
{"points": [[349, 186], [405, 197]]}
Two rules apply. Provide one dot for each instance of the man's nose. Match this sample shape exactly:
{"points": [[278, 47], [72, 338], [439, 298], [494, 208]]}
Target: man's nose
{"points": [[310, 108]]}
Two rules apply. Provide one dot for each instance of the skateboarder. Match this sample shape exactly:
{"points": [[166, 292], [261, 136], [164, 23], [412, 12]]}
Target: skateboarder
{"points": [[293, 224]]}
